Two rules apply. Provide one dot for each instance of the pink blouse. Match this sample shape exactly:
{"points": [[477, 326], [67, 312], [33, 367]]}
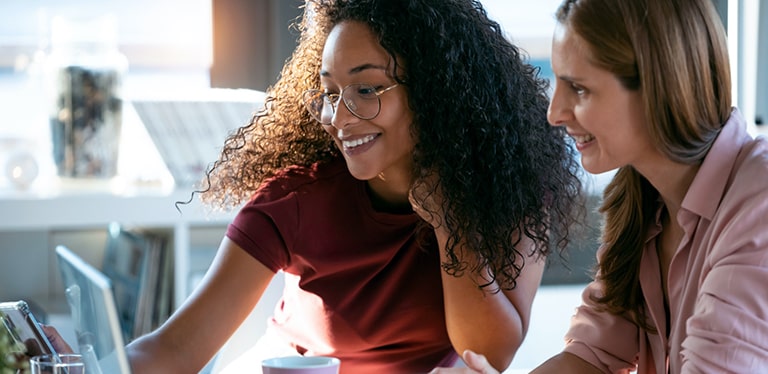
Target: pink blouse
{"points": [[717, 281]]}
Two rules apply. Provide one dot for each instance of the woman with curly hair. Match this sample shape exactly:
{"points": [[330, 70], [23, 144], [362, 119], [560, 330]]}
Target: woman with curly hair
{"points": [[403, 176]]}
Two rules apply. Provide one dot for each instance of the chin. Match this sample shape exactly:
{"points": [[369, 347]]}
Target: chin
{"points": [[363, 174], [594, 169]]}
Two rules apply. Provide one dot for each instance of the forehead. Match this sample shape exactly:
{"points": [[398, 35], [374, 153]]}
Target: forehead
{"points": [[351, 45], [572, 59], [569, 50]]}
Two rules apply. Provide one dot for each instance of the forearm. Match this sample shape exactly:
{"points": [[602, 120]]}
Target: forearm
{"points": [[199, 328], [164, 352], [149, 354], [566, 363], [487, 322], [484, 322]]}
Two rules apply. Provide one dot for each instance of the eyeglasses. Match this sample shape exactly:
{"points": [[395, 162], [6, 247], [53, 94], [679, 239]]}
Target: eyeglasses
{"points": [[361, 99]]}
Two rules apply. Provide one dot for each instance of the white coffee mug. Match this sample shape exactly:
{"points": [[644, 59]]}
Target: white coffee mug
{"points": [[301, 365]]}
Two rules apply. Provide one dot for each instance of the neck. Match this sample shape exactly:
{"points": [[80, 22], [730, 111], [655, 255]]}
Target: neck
{"points": [[672, 180], [390, 194]]}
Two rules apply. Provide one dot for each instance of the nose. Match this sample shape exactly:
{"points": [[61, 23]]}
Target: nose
{"points": [[342, 117], [558, 111]]}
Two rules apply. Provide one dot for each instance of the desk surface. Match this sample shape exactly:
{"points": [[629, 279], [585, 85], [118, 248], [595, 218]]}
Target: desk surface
{"points": [[550, 319]]}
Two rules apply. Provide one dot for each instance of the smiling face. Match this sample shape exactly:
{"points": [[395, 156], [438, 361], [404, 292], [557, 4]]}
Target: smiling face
{"points": [[606, 120], [380, 147]]}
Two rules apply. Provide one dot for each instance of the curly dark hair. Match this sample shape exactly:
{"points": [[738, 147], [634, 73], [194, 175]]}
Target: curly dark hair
{"points": [[479, 121]]}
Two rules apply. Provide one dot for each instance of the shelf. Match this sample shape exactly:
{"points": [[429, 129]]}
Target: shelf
{"points": [[72, 211], [32, 226]]}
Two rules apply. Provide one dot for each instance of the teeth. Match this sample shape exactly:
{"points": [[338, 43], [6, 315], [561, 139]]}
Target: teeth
{"points": [[357, 142], [584, 138]]}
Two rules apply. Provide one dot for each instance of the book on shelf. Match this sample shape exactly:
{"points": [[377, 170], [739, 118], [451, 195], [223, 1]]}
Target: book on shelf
{"points": [[189, 129], [141, 269]]}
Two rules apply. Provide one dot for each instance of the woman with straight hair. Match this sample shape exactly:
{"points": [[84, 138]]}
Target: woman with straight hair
{"points": [[644, 86]]}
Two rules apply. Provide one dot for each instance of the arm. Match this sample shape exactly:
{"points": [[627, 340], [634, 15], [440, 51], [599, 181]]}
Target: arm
{"points": [[561, 363], [566, 363], [728, 329], [493, 324], [197, 330]]}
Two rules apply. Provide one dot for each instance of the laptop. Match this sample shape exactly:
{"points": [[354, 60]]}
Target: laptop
{"points": [[91, 300]]}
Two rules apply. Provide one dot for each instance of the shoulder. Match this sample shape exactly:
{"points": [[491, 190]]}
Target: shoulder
{"points": [[296, 178], [753, 158], [746, 156], [742, 215], [749, 176]]}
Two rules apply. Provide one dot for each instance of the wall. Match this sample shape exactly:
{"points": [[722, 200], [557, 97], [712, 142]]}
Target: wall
{"points": [[761, 104], [251, 41]]}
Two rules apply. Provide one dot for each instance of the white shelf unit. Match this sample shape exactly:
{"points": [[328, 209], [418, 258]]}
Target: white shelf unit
{"points": [[31, 227]]}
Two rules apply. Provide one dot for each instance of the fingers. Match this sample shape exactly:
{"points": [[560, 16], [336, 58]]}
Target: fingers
{"points": [[478, 363], [426, 200], [57, 342], [452, 371], [33, 347]]}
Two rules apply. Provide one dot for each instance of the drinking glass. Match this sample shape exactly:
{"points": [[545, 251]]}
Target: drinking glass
{"points": [[57, 364]]}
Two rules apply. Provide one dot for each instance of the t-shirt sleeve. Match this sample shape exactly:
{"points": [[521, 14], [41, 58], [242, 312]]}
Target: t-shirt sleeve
{"points": [[264, 229]]}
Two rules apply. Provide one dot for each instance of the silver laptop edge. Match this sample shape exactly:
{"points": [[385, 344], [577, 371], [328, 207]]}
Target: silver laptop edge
{"points": [[92, 304]]}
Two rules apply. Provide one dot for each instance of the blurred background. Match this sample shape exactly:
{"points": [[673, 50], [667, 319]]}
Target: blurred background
{"points": [[200, 65], [174, 47]]}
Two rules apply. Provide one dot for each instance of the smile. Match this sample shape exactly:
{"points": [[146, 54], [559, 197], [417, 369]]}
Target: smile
{"points": [[348, 144], [581, 139]]}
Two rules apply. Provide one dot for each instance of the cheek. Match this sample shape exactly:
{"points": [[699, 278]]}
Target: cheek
{"points": [[399, 120], [585, 116], [404, 131], [330, 130], [597, 119]]}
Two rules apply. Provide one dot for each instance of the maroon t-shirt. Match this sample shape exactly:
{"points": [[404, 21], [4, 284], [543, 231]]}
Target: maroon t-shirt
{"points": [[358, 285]]}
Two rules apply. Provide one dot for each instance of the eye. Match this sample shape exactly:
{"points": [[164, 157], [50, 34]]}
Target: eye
{"points": [[366, 91], [579, 90]]}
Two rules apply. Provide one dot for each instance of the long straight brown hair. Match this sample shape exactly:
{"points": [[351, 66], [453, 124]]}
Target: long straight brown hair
{"points": [[675, 54]]}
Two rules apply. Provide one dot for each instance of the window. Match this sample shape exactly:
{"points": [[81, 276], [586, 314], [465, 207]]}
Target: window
{"points": [[528, 24], [153, 34]]}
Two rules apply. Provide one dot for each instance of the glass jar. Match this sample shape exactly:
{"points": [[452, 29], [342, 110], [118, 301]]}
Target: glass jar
{"points": [[86, 72]]}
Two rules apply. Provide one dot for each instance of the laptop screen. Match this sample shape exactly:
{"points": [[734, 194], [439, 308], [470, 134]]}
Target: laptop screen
{"points": [[94, 314]]}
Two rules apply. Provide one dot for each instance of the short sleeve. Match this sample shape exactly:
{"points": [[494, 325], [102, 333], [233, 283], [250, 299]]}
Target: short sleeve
{"points": [[265, 228]]}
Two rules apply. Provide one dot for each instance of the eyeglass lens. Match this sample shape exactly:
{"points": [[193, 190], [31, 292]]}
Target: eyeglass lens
{"points": [[361, 100]]}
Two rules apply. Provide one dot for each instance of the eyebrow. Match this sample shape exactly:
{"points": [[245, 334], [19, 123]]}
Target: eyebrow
{"points": [[356, 69], [570, 79]]}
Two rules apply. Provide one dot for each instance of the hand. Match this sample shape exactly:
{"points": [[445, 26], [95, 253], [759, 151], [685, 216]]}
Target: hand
{"points": [[476, 363], [56, 340], [429, 203]]}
